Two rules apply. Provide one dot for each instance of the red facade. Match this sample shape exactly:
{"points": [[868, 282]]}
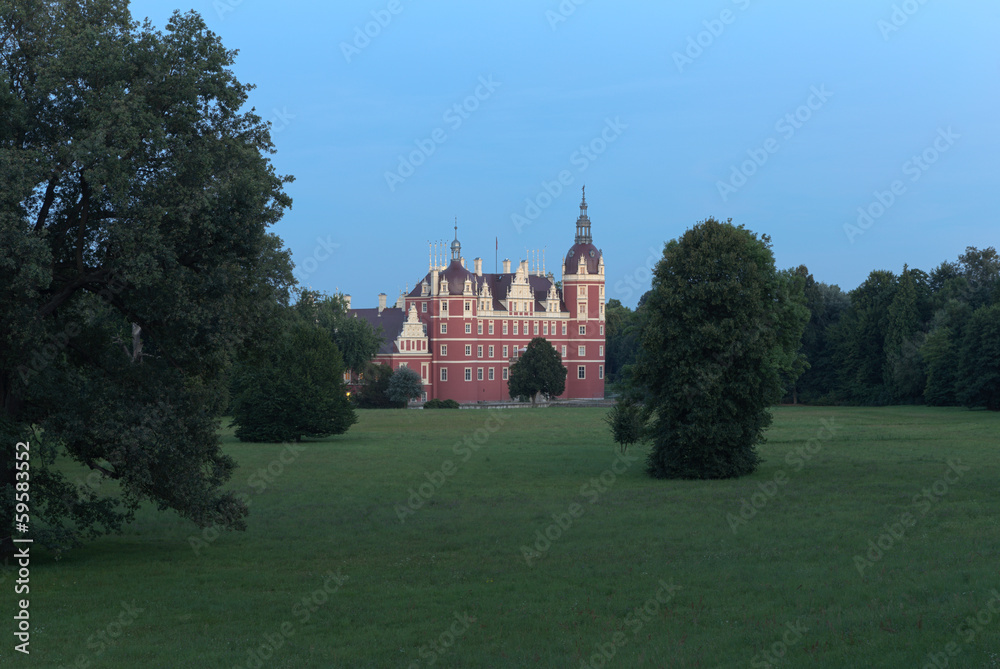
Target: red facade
{"points": [[461, 329]]}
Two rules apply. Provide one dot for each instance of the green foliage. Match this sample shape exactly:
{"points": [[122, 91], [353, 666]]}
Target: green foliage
{"points": [[135, 260], [297, 391], [441, 404], [792, 317], [538, 370], [374, 392], [355, 338], [627, 422], [709, 350], [404, 385], [980, 360]]}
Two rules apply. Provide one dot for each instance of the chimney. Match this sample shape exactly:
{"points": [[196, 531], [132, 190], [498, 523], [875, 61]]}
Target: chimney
{"points": [[506, 266], [479, 266], [434, 282], [347, 301], [381, 302]]}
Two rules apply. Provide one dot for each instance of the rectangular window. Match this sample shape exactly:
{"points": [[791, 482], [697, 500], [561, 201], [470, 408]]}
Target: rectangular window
{"points": [[468, 373], [505, 327], [504, 373], [491, 327], [505, 351], [564, 329], [535, 329], [468, 349], [423, 372], [583, 329], [581, 291], [468, 328], [491, 351], [444, 373], [581, 351], [479, 351], [600, 351], [402, 365], [602, 329], [444, 350], [468, 306], [479, 328], [600, 371], [564, 350], [545, 329], [515, 329], [581, 372], [444, 305], [479, 374], [423, 307], [583, 307], [444, 328], [423, 396], [490, 375]]}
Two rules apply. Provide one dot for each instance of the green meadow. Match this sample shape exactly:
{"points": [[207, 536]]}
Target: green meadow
{"points": [[521, 538]]}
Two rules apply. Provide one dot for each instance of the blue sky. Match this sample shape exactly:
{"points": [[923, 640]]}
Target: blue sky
{"points": [[786, 117]]}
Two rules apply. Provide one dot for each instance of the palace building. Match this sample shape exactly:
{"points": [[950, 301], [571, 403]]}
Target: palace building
{"points": [[461, 329]]}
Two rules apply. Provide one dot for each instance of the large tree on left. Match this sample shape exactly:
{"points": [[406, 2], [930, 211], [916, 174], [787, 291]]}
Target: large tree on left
{"points": [[135, 260]]}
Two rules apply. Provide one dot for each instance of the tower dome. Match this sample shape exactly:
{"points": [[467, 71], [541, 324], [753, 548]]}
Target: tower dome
{"points": [[583, 246]]}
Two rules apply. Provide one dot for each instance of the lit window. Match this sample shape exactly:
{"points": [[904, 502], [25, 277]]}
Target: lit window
{"points": [[583, 329], [468, 328], [444, 349], [581, 351], [491, 351], [444, 373], [581, 372], [479, 351], [468, 373], [504, 373], [444, 328], [468, 349], [490, 375], [479, 374]]}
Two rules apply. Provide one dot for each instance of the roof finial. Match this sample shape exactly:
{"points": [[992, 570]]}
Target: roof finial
{"points": [[456, 246], [584, 194]]}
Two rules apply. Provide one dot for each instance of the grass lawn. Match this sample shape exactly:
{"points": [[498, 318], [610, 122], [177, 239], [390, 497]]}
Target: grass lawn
{"points": [[776, 569]]}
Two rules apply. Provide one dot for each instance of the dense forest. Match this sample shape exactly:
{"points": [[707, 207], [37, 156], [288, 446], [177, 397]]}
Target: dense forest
{"points": [[908, 338]]}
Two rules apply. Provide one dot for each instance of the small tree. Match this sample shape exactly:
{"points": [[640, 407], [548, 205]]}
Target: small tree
{"points": [[538, 370], [298, 392], [627, 421], [374, 392], [405, 385]]}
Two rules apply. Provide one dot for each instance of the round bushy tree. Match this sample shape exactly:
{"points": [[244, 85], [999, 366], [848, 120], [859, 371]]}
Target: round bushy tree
{"points": [[298, 392], [405, 385], [538, 370], [709, 359]]}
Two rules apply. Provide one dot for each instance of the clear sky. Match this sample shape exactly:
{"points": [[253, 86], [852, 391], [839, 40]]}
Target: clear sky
{"points": [[785, 116]]}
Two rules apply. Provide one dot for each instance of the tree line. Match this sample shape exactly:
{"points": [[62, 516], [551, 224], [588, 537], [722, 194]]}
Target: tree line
{"points": [[908, 338]]}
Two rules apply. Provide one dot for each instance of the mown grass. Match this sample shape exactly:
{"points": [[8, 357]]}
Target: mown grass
{"points": [[333, 508]]}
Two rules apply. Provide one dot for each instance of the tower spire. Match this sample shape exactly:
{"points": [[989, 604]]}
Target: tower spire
{"points": [[583, 222], [456, 246]]}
